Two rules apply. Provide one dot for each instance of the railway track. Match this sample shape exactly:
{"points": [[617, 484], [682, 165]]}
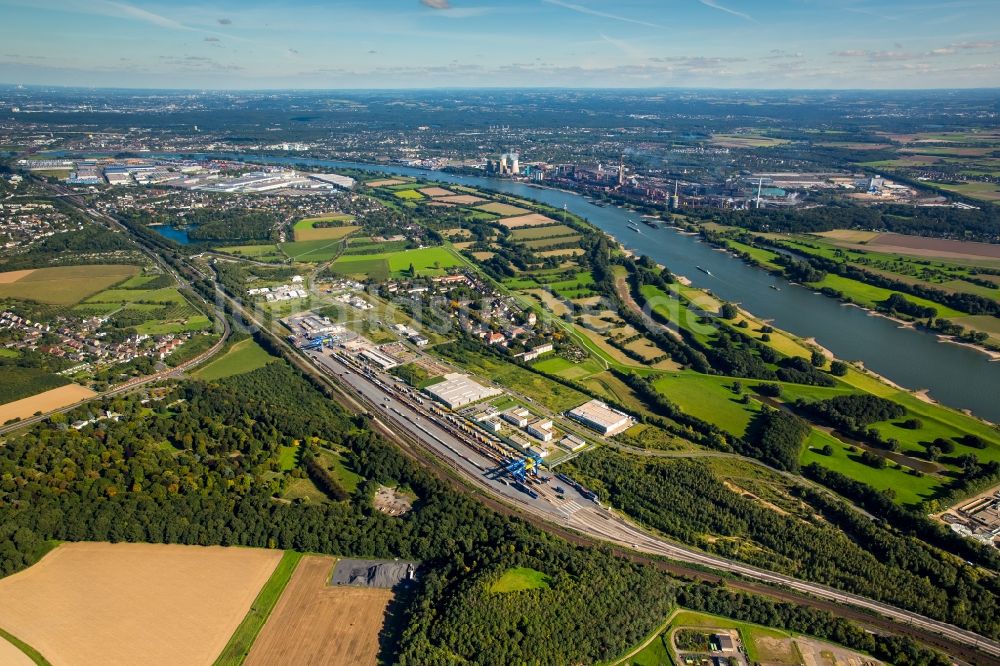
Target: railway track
{"points": [[648, 548]]}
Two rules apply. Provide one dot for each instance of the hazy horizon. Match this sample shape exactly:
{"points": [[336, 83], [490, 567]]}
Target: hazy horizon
{"points": [[434, 44]]}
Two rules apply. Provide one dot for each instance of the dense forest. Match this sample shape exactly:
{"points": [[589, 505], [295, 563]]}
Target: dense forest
{"points": [[92, 244], [200, 466], [829, 543]]}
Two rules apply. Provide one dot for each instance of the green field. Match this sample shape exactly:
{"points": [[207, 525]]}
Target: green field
{"points": [[975, 190], [362, 267], [138, 282], [553, 365], [239, 644], [337, 466], [17, 382], [871, 297], [519, 579], [244, 356], [655, 654], [304, 489], [66, 285], [426, 261], [311, 250], [306, 229], [269, 252], [908, 488], [550, 242], [288, 457], [708, 397], [411, 195], [190, 324], [533, 233], [164, 296]]}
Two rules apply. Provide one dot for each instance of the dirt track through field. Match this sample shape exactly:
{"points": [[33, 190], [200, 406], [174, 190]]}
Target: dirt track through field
{"points": [[128, 603], [314, 623], [44, 402]]}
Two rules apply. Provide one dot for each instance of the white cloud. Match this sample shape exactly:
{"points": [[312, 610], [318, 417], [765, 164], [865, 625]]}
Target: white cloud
{"points": [[715, 5], [594, 12]]}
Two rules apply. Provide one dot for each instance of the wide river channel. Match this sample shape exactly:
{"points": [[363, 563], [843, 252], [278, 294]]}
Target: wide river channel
{"points": [[954, 375]]}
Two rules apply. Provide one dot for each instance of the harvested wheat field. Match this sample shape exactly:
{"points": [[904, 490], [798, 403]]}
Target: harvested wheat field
{"points": [[502, 209], [849, 235], [14, 276], [64, 285], [44, 402], [386, 182], [436, 192], [574, 251], [462, 199], [12, 656], [530, 220], [131, 603], [314, 623], [934, 247]]}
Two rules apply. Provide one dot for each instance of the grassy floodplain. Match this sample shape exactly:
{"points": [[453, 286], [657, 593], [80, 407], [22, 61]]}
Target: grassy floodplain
{"points": [[710, 398]]}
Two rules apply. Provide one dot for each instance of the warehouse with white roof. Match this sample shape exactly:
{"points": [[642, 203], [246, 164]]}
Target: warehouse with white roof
{"points": [[598, 416], [458, 390]]}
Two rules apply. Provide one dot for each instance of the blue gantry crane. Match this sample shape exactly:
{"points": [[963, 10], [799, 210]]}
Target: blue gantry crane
{"points": [[319, 343]]}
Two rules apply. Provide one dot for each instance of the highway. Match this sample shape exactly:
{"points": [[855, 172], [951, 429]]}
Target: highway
{"points": [[379, 391]]}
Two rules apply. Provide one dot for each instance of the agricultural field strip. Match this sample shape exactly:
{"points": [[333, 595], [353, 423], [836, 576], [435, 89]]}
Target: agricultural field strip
{"points": [[314, 622], [160, 604]]}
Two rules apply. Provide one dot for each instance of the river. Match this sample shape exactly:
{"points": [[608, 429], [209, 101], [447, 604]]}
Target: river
{"points": [[956, 376]]}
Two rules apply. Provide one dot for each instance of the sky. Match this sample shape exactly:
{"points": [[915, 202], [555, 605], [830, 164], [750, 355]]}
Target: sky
{"points": [[326, 44]]}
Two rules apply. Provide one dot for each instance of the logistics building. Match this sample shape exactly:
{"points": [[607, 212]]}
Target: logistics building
{"points": [[458, 390], [597, 415], [540, 429], [517, 417], [378, 358]]}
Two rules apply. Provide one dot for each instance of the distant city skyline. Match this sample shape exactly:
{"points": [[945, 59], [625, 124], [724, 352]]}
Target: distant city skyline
{"points": [[256, 44]]}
